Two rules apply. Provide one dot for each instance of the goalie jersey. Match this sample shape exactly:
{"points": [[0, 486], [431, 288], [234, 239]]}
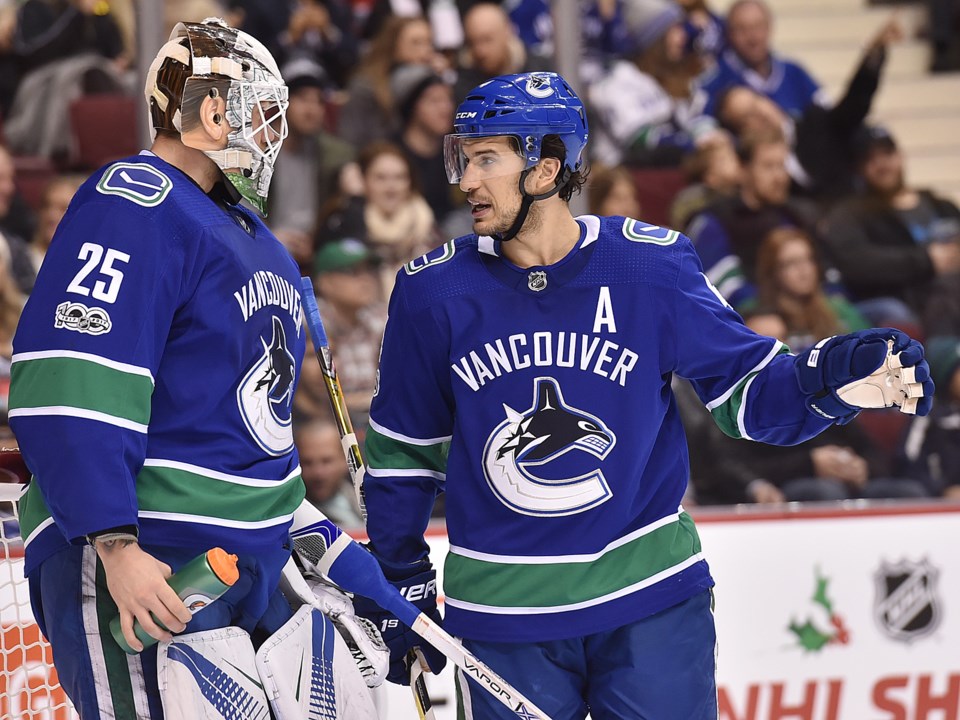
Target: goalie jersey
{"points": [[539, 400], [154, 368]]}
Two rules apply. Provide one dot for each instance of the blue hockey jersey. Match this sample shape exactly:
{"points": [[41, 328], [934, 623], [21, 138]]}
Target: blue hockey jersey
{"points": [[154, 368], [539, 399]]}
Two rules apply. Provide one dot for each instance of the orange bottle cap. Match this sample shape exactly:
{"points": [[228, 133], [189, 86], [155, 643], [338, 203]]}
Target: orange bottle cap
{"points": [[224, 565]]}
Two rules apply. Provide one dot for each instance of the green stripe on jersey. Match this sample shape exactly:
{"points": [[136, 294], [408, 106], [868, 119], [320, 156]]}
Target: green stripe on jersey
{"points": [[180, 492], [82, 384], [726, 415], [555, 584], [385, 453], [33, 509]]}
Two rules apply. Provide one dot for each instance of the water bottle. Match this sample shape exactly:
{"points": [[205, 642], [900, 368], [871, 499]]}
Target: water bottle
{"points": [[198, 583]]}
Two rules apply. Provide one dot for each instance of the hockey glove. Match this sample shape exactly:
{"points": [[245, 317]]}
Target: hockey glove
{"points": [[368, 649], [421, 590], [875, 368]]}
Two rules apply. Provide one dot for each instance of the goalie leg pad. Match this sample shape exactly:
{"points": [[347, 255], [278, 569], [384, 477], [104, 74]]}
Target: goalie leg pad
{"points": [[308, 672], [210, 675]]}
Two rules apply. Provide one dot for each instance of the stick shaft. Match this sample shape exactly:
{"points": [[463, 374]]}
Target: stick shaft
{"points": [[338, 402]]}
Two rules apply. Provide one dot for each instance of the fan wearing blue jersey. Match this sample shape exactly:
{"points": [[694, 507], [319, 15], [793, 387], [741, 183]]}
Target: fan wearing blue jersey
{"points": [[153, 374], [526, 373]]}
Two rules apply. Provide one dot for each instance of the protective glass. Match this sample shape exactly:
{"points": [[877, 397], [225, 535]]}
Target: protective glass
{"points": [[473, 155]]}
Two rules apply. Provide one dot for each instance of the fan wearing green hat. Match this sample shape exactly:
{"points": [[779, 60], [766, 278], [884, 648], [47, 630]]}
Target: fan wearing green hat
{"points": [[350, 297]]}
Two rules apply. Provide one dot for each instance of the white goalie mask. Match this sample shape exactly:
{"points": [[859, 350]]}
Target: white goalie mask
{"points": [[210, 59]]}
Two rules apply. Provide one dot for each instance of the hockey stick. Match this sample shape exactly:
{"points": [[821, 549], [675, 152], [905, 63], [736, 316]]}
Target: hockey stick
{"points": [[351, 451], [378, 588]]}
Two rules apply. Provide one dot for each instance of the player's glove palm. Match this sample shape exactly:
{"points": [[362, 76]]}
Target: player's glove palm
{"points": [[421, 590], [881, 367]]}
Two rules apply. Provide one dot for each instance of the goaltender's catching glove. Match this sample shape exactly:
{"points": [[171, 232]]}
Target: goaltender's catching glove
{"points": [[421, 590], [368, 649], [876, 368]]}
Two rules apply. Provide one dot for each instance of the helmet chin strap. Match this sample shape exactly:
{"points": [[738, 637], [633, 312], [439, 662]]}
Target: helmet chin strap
{"points": [[527, 200]]}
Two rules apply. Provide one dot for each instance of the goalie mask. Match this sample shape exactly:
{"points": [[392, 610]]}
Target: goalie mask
{"points": [[212, 60]]}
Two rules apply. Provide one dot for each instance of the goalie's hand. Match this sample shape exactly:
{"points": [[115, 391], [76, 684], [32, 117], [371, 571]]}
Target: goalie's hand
{"points": [[364, 641], [880, 367], [421, 590]]}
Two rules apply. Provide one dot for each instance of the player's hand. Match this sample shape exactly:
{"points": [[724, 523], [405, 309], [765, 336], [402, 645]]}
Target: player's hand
{"points": [[421, 590], [137, 582], [876, 368]]}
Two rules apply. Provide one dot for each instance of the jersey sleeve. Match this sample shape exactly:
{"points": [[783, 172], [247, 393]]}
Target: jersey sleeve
{"points": [[411, 424], [86, 353], [745, 380]]}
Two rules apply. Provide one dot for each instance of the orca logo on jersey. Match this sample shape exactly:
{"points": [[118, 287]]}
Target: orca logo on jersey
{"points": [[265, 395], [548, 430]]}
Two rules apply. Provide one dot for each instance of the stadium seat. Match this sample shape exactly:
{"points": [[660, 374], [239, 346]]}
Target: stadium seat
{"points": [[656, 189], [104, 128]]}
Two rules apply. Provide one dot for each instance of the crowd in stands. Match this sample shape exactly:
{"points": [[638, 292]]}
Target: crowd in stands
{"points": [[798, 206]]}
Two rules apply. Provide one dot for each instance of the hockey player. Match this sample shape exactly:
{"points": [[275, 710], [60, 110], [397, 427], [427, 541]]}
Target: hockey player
{"points": [[526, 372], [153, 374]]}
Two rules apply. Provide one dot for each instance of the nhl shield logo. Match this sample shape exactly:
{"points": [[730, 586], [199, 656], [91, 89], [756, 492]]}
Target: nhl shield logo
{"points": [[907, 606], [537, 280]]}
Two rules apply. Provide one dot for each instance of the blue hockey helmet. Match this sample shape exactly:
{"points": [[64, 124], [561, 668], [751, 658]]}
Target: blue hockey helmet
{"points": [[526, 106]]}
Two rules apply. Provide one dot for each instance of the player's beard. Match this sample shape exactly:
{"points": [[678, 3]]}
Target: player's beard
{"points": [[505, 217]]}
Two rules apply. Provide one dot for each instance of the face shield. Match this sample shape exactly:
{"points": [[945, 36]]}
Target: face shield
{"points": [[481, 157], [235, 65]]}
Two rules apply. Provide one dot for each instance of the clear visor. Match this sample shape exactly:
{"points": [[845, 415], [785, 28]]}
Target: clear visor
{"points": [[480, 157]]}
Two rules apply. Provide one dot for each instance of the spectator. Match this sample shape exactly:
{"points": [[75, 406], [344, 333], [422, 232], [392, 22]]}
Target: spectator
{"points": [[728, 233], [321, 31], [715, 477], [713, 173], [492, 48], [895, 241], [53, 206], [705, 29], [9, 67], [648, 110], [65, 48], [534, 25], [370, 113], [821, 138], [425, 103], [391, 214], [11, 305], [354, 314], [310, 163], [15, 217], [325, 473], [749, 60], [839, 464], [932, 446], [788, 282], [612, 191], [944, 27], [51, 30]]}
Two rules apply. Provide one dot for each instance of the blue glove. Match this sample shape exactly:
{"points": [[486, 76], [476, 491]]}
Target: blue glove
{"points": [[421, 590], [880, 367]]}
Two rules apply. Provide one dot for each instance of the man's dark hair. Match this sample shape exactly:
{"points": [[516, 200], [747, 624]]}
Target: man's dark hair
{"points": [[553, 147]]}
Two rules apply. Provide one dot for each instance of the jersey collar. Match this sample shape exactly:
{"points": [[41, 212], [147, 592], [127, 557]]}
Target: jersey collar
{"points": [[541, 279]]}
